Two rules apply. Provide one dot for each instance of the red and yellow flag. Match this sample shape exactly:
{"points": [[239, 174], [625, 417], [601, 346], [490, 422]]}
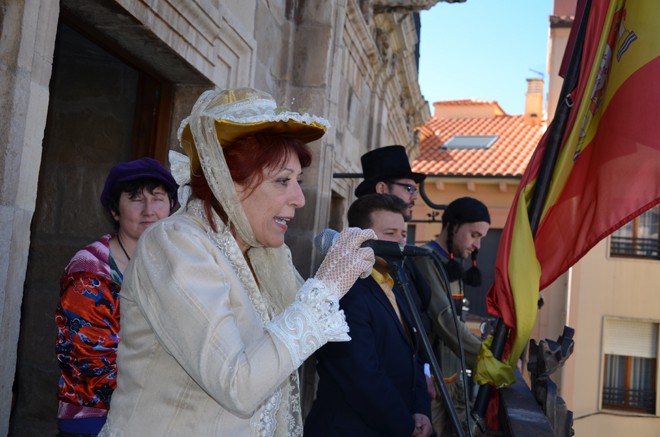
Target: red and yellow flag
{"points": [[607, 169]]}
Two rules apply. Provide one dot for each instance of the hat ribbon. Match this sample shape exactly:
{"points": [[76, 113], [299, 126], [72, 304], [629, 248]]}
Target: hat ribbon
{"points": [[180, 168]]}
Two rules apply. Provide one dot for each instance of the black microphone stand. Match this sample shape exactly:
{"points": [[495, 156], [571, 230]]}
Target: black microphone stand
{"points": [[437, 261], [401, 280]]}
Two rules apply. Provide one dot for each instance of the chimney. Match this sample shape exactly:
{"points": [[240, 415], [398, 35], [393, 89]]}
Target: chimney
{"points": [[437, 109], [534, 101]]}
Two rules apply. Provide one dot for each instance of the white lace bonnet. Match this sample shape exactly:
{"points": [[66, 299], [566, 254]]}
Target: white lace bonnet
{"points": [[220, 117]]}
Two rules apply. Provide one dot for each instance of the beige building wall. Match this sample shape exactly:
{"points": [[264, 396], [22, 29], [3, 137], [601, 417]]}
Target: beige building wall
{"points": [[600, 287], [560, 28]]}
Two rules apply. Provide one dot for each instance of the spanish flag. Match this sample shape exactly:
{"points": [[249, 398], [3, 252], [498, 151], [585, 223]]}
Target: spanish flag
{"points": [[605, 168]]}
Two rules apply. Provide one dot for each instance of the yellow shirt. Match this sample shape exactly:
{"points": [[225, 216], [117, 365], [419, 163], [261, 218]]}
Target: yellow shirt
{"points": [[386, 282]]}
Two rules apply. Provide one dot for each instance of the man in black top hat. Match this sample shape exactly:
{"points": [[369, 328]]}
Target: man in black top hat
{"points": [[387, 171]]}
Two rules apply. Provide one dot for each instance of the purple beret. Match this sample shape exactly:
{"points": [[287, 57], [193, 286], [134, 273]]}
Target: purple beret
{"points": [[138, 169]]}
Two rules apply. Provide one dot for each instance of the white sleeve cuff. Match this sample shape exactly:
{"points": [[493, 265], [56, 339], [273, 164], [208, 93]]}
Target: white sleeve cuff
{"points": [[311, 321]]}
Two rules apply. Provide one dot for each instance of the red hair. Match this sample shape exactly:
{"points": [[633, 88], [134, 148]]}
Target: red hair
{"points": [[247, 159]]}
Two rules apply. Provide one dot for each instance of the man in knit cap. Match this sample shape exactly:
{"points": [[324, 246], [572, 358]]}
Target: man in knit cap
{"points": [[464, 223]]}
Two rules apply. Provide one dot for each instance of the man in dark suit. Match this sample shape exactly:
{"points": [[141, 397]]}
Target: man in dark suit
{"points": [[386, 170], [374, 384]]}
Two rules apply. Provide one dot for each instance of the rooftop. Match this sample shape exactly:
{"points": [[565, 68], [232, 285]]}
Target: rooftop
{"points": [[490, 143]]}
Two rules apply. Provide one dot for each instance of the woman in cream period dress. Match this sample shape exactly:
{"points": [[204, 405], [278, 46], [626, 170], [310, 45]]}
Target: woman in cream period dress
{"points": [[215, 318]]}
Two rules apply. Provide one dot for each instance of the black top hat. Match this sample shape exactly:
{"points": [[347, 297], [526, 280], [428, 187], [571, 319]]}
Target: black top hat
{"points": [[384, 164]]}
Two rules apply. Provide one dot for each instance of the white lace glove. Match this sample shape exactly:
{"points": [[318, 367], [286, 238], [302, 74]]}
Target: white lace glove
{"points": [[346, 260]]}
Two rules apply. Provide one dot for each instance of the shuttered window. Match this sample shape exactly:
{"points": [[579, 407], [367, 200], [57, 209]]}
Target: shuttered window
{"points": [[631, 337], [630, 348]]}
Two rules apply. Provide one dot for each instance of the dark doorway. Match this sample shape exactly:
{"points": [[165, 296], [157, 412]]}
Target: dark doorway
{"points": [[102, 110]]}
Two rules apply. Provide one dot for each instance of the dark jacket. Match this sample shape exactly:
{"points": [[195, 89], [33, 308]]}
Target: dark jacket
{"points": [[373, 384], [421, 293]]}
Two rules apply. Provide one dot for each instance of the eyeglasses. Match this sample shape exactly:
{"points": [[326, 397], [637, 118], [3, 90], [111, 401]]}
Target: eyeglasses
{"points": [[411, 189]]}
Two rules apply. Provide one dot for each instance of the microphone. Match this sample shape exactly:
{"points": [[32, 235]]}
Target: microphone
{"points": [[323, 241], [327, 237], [390, 248]]}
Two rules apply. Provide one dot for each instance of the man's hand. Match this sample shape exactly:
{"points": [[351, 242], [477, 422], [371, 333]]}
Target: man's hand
{"points": [[422, 426], [430, 387], [430, 382]]}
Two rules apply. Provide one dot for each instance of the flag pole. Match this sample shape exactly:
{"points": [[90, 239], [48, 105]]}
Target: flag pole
{"points": [[546, 169], [558, 126]]}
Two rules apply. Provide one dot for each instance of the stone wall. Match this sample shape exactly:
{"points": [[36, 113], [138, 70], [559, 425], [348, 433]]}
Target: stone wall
{"points": [[26, 51]]}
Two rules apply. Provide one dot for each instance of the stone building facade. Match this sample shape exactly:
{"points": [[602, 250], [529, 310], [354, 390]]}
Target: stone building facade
{"points": [[86, 84]]}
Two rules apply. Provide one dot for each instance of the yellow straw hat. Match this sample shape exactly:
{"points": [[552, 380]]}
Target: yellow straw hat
{"points": [[243, 112]]}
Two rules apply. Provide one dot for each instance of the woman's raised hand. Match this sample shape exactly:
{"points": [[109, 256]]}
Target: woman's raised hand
{"points": [[346, 260]]}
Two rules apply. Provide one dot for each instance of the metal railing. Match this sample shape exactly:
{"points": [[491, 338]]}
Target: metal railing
{"points": [[635, 247], [629, 399]]}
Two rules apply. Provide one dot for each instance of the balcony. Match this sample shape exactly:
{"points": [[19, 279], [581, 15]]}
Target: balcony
{"points": [[635, 247], [640, 401]]}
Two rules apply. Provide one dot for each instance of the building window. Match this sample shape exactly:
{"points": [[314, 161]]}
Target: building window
{"points": [[629, 380], [470, 142], [639, 237]]}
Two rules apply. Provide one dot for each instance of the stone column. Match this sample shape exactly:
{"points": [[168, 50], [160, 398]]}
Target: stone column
{"points": [[304, 84], [26, 53]]}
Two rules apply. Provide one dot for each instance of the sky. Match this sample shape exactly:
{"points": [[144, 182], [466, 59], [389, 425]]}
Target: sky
{"points": [[484, 49]]}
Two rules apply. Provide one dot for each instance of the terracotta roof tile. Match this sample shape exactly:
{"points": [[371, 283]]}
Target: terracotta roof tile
{"points": [[506, 157]]}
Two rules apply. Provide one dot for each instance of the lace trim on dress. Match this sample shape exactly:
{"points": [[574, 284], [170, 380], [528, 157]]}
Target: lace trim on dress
{"points": [[310, 322], [265, 423], [294, 427]]}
